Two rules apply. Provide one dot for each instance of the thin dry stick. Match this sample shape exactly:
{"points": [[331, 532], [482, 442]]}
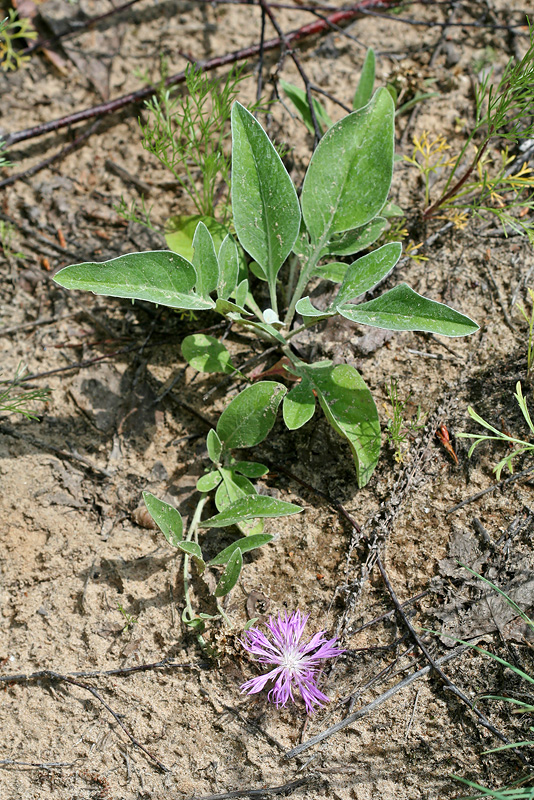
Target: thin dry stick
{"points": [[311, 29], [287, 788], [362, 712], [495, 486], [28, 677], [52, 159]]}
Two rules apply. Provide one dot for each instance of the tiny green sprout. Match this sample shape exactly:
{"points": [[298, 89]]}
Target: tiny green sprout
{"points": [[7, 235], [519, 445], [130, 620], [399, 429], [15, 399]]}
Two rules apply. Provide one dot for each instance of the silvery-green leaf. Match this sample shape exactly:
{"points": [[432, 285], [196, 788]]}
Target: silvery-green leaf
{"points": [[402, 309], [230, 575], [245, 544], [241, 293], [264, 201], [306, 309], [350, 172], [166, 517], [367, 81], [252, 507], [300, 100], [247, 420], [206, 354], [193, 549], [334, 272], [365, 273], [351, 242], [205, 261], [299, 405], [209, 481], [228, 268], [214, 445], [158, 276], [252, 469]]}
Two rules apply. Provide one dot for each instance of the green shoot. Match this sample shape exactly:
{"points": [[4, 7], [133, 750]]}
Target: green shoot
{"points": [[7, 234], [129, 618], [13, 28], [530, 323], [14, 401], [398, 428], [187, 134], [519, 445]]}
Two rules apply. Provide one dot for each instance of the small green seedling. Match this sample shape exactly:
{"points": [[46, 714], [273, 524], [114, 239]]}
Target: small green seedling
{"points": [[339, 213], [519, 446], [14, 399], [530, 322], [399, 429], [12, 29]]}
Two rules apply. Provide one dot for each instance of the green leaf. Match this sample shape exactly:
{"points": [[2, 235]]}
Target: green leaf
{"points": [[402, 309], [307, 310], [364, 274], [205, 261], [206, 354], [350, 172], [193, 549], [331, 272], [209, 481], [226, 307], [300, 100], [245, 544], [264, 201], [252, 469], [351, 242], [254, 506], [214, 445], [250, 416], [158, 276], [180, 231], [241, 293], [166, 517], [350, 409], [367, 81], [263, 326], [233, 487], [228, 268], [230, 575], [299, 405]]}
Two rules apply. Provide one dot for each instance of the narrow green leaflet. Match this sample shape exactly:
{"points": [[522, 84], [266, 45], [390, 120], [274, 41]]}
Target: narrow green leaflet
{"points": [[351, 242], [228, 268], [367, 81], [214, 445], [209, 481], [247, 420], [350, 172], [245, 544], [364, 274], [166, 517], [307, 310], [300, 100], [299, 405], [206, 354], [180, 231], [205, 261], [232, 488], [252, 469], [252, 507], [349, 407], [264, 201], [158, 276], [402, 309], [230, 575], [241, 293]]}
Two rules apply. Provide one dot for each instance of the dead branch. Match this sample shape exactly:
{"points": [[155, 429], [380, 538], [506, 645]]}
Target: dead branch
{"points": [[287, 788]]}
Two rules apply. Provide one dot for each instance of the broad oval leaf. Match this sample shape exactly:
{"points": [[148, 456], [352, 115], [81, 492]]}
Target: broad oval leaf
{"points": [[206, 354], [349, 407], [230, 575], [367, 81], [350, 172], [180, 231], [364, 274], [264, 201], [351, 242], [192, 549], [166, 517], [158, 276], [245, 544], [250, 416], [252, 469], [254, 506], [205, 261], [214, 445], [209, 481], [299, 405], [402, 309]]}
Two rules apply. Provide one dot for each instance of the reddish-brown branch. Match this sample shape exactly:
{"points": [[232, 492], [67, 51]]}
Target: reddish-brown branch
{"points": [[430, 211], [311, 29]]}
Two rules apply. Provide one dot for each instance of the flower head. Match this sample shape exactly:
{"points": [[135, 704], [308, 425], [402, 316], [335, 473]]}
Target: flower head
{"points": [[297, 664]]}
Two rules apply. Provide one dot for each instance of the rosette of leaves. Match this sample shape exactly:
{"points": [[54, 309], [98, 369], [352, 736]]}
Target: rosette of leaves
{"points": [[340, 213]]}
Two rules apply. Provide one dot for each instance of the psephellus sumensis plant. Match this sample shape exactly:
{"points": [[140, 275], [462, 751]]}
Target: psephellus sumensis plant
{"points": [[341, 212]]}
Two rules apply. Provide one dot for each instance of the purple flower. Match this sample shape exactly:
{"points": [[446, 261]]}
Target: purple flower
{"points": [[297, 664]]}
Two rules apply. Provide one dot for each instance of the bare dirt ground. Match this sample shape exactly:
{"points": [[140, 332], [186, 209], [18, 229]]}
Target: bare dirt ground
{"points": [[75, 546]]}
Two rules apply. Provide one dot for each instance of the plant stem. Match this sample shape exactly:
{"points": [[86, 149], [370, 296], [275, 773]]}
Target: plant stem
{"points": [[189, 536]]}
